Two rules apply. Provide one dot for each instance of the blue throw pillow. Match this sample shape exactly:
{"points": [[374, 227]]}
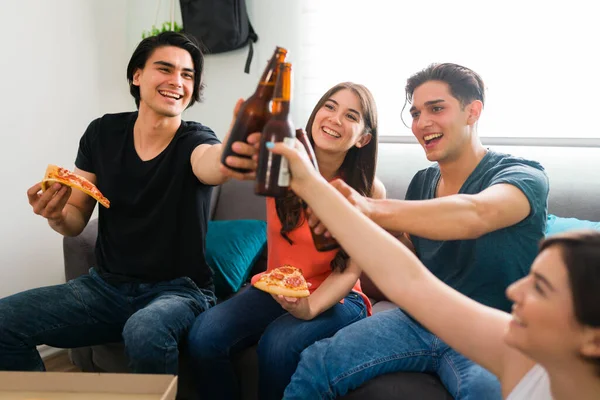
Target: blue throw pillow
{"points": [[232, 248], [559, 224]]}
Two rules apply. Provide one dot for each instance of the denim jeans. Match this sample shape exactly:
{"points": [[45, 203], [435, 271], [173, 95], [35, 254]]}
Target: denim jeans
{"points": [[254, 316], [149, 317], [389, 341]]}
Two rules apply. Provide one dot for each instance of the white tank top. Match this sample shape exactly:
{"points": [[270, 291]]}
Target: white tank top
{"points": [[535, 385]]}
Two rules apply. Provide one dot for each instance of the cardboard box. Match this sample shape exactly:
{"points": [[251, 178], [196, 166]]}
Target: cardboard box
{"points": [[86, 386]]}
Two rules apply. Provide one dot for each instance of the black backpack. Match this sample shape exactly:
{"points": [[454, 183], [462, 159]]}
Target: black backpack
{"points": [[220, 25]]}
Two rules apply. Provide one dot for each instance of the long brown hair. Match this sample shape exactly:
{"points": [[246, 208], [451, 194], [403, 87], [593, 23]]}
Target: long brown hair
{"points": [[357, 169]]}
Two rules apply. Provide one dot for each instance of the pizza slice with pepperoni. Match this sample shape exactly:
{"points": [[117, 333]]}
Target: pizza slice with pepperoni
{"points": [[286, 281], [65, 177]]}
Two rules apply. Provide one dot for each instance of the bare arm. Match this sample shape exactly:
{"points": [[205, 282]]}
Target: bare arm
{"points": [[455, 217], [67, 211], [206, 158]]}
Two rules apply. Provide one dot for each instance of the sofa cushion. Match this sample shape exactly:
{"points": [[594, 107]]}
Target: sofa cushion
{"points": [[232, 248], [401, 385], [559, 224]]}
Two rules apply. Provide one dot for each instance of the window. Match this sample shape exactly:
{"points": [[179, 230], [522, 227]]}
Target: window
{"points": [[536, 59]]}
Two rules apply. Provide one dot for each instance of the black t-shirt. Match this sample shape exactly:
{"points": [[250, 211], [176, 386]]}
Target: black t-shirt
{"points": [[155, 227]]}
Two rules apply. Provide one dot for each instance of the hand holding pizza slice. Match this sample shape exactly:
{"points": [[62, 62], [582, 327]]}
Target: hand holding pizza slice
{"points": [[65, 177], [286, 281]]}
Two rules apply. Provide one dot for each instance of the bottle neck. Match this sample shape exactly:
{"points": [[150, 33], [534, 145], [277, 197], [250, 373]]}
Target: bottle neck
{"points": [[268, 79], [280, 108], [265, 90]]}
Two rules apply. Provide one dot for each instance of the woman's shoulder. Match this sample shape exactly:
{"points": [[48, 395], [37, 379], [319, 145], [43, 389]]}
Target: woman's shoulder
{"points": [[379, 191]]}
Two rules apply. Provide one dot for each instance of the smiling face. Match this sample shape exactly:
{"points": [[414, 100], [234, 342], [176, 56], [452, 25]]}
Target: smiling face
{"points": [[166, 82], [544, 326], [440, 123], [339, 123]]}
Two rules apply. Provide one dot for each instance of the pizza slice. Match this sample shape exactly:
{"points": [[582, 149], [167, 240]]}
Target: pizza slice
{"points": [[65, 177], [285, 280]]}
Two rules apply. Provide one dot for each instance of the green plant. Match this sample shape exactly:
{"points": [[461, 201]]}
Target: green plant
{"points": [[166, 26]]}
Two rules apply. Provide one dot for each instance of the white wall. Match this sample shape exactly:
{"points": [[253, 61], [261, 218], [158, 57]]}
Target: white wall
{"points": [[63, 64]]}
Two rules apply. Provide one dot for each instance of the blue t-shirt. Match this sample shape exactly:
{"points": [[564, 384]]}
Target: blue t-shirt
{"points": [[483, 268]]}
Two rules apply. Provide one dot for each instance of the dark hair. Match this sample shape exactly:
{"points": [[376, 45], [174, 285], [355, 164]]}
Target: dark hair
{"points": [[147, 47], [581, 255], [464, 83], [357, 169]]}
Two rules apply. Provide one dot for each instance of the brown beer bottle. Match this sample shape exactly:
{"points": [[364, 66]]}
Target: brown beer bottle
{"points": [[322, 242], [255, 111], [272, 173]]}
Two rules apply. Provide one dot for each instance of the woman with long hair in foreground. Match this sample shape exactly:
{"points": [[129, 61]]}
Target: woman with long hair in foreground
{"points": [[548, 348]]}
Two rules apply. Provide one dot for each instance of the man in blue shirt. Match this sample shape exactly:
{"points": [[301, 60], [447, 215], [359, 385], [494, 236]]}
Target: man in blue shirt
{"points": [[474, 218]]}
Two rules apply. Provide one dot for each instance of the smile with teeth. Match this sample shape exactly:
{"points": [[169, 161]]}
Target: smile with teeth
{"points": [[432, 136], [331, 132], [170, 95]]}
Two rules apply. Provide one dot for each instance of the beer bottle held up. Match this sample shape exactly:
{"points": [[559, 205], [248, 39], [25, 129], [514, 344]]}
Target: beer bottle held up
{"points": [[322, 242], [255, 111], [272, 173]]}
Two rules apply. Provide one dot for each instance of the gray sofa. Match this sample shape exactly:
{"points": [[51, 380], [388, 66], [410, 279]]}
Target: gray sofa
{"points": [[574, 192]]}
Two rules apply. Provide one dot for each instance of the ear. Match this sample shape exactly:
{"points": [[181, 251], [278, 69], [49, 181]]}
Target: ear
{"points": [[364, 140], [136, 77], [591, 342], [474, 109]]}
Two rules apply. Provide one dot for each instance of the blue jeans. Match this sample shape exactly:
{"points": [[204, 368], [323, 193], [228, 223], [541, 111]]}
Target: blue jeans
{"points": [[389, 341], [149, 317], [254, 316]]}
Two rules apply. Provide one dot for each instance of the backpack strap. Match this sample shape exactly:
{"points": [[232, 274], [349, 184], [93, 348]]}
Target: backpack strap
{"points": [[252, 38]]}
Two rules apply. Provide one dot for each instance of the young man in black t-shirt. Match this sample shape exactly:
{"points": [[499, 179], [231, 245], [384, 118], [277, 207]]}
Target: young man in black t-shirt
{"points": [[150, 280]]}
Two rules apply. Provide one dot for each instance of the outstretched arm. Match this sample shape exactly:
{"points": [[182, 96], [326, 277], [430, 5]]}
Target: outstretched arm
{"points": [[206, 159], [469, 327], [455, 217]]}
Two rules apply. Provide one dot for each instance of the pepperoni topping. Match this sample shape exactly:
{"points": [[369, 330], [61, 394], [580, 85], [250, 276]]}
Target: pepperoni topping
{"points": [[277, 276], [294, 281], [79, 180], [287, 270]]}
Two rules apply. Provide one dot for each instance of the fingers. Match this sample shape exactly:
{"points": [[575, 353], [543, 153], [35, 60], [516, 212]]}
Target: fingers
{"points": [[312, 218], [241, 163], [32, 193], [286, 302], [51, 203], [319, 228], [315, 224], [39, 204], [58, 202], [341, 187], [244, 149], [243, 176], [254, 139]]}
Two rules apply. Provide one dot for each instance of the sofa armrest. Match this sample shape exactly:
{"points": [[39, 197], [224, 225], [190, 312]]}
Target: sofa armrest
{"points": [[79, 251]]}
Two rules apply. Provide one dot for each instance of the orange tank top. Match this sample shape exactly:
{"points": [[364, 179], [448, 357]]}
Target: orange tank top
{"points": [[301, 254]]}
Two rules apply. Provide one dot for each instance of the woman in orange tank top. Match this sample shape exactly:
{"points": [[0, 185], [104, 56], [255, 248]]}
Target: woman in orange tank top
{"points": [[343, 132]]}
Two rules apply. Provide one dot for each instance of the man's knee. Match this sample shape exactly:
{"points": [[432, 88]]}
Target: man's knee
{"points": [[11, 314], [144, 334]]}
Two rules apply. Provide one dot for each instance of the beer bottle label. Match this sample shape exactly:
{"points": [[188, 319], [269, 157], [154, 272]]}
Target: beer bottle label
{"points": [[283, 180]]}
